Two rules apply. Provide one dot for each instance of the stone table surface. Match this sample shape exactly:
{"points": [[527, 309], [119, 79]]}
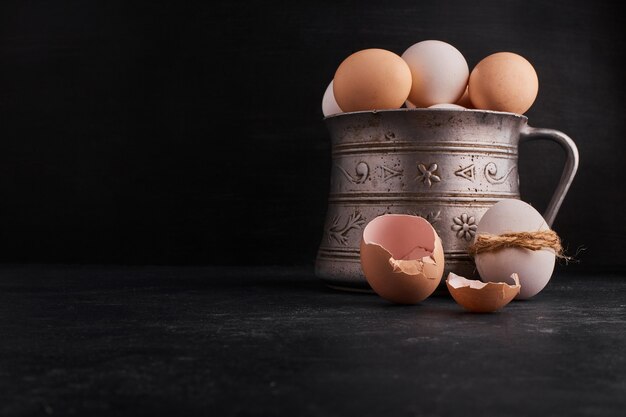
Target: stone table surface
{"points": [[274, 341]]}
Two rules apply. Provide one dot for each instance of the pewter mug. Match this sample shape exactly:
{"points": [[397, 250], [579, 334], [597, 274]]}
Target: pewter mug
{"points": [[448, 166]]}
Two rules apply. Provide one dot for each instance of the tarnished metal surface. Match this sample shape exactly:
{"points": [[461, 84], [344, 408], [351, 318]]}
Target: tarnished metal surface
{"points": [[448, 166]]}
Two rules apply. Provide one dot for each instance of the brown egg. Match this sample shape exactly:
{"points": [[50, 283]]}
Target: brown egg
{"points": [[503, 81], [402, 257], [372, 79], [480, 297], [465, 100]]}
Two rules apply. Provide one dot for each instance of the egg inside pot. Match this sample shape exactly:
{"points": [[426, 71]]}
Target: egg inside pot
{"points": [[372, 79], [482, 297], [402, 257]]}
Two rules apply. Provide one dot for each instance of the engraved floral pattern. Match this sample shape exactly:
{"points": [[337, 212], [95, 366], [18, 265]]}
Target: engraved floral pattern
{"points": [[432, 217], [465, 226], [427, 175], [339, 232]]}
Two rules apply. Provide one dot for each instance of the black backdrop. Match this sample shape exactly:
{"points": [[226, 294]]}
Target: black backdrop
{"points": [[191, 132]]}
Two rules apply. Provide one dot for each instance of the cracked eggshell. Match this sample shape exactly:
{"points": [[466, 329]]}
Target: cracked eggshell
{"points": [[534, 268], [480, 297], [402, 257]]}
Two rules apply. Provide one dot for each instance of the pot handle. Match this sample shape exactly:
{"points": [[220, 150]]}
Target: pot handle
{"points": [[529, 133]]}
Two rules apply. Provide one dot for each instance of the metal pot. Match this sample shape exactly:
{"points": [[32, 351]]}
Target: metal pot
{"points": [[448, 166]]}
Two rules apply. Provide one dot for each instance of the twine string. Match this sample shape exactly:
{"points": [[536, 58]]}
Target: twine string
{"points": [[544, 239]]}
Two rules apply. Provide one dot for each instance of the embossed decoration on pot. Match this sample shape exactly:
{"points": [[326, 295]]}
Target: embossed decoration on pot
{"points": [[446, 165]]}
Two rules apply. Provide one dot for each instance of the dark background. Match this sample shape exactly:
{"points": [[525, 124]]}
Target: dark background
{"points": [[191, 132]]}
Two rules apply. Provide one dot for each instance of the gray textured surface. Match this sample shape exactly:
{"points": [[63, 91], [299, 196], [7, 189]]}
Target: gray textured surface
{"points": [[275, 341]]}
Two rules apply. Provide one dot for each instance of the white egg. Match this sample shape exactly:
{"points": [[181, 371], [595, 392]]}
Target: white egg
{"points": [[534, 268], [447, 106], [409, 105], [329, 104], [439, 73]]}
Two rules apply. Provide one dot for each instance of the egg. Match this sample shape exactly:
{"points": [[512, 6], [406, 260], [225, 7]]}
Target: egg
{"points": [[446, 106], [503, 81], [401, 257], [329, 104], [372, 79], [534, 267], [410, 105], [439, 73], [480, 297], [465, 100]]}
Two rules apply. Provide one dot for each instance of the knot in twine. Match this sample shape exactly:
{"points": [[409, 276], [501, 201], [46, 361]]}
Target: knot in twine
{"points": [[545, 239]]}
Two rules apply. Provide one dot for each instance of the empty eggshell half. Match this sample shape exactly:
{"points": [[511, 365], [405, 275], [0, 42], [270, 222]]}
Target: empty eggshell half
{"points": [[481, 297], [402, 257]]}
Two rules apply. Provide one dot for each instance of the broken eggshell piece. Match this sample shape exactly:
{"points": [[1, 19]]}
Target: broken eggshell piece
{"points": [[481, 297], [402, 257]]}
